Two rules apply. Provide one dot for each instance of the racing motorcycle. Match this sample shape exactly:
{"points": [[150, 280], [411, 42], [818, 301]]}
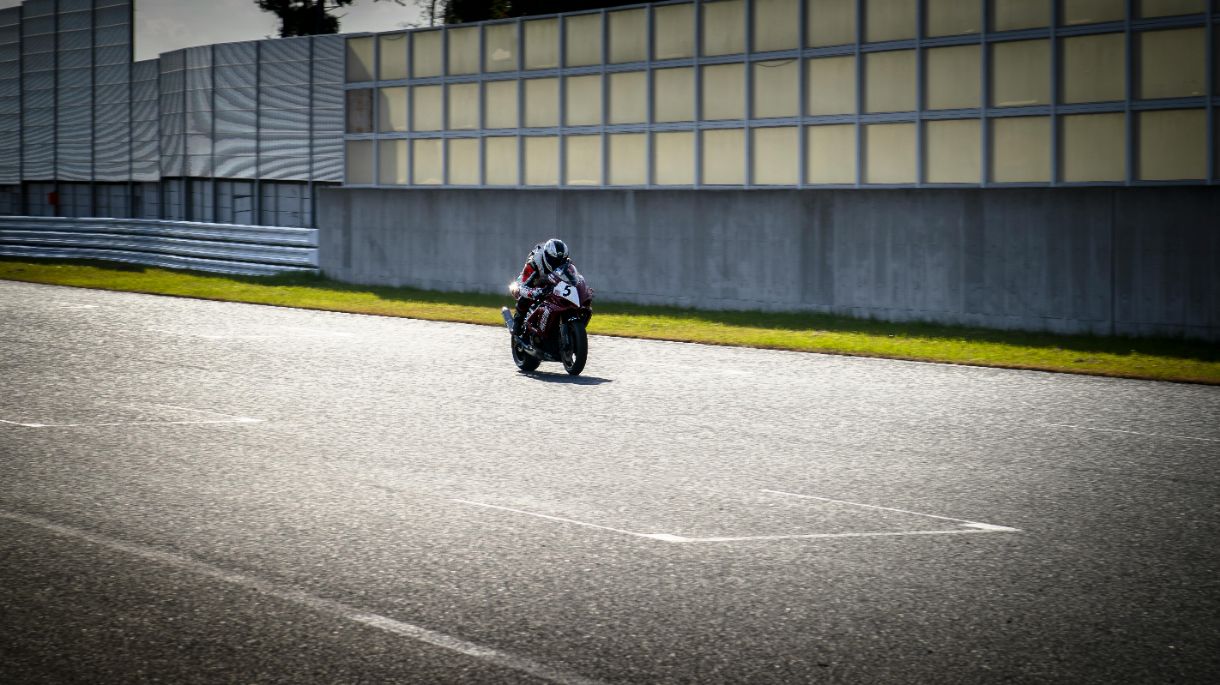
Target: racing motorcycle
{"points": [[554, 327]]}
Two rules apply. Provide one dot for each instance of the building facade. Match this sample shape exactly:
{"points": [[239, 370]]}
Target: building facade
{"points": [[793, 93]]}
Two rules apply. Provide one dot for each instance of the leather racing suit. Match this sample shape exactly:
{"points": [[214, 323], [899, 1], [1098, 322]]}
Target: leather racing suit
{"points": [[531, 286]]}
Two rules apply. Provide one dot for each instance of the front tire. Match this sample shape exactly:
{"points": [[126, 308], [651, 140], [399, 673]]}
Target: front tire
{"points": [[524, 361], [575, 350]]}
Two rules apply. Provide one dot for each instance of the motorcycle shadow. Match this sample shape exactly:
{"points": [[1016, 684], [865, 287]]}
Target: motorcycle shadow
{"points": [[564, 378]]}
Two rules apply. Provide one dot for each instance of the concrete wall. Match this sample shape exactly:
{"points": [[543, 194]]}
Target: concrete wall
{"points": [[1135, 261]]}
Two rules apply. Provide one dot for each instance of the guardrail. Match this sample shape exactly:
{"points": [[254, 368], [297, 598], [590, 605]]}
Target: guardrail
{"points": [[223, 248]]}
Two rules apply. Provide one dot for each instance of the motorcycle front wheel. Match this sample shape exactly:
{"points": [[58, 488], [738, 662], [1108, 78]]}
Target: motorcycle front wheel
{"points": [[575, 350], [521, 358]]}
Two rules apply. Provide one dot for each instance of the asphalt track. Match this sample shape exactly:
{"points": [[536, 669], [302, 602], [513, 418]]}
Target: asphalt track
{"points": [[205, 492]]}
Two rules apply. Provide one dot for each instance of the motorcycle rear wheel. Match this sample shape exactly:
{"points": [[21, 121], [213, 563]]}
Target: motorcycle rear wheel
{"points": [[575, 350], [524, 361]]}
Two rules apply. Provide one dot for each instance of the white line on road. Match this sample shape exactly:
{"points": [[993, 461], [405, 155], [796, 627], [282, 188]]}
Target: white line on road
{"points": [[560, 519], [1116, 430], [967, 526], [230, 418], [339, 609], [823, 536], [972, 524]]}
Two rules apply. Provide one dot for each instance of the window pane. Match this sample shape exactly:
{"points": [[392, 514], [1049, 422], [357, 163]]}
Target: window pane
{"points": [[464, 50], [542, 160], [584, 100], [890, 153], [776, 24], [393, 163], [500, 105], [830, 22], [628, 97], [1010, 15], [501, 161], [628, 36], [359, 162], [832, 85], [889, 20], [464, 161], [1021, 150], [724, 27], [541, 102], [426, 108], [391, 109], [1020, 73], [584, 161], [1172, 63], [426, 160], [674, 94], [1173, 145], [360, 111], [953, 17], [1167, 8], [542, 44], [1092, 11], [360, 59], [890, 81], [674, 154], [724, 157], [584, 40], [777, 155], [463, 106], [628, 159], [501, 47], [776, 88], [1094, 147], [953, 80], [392, 49], [426, 54], [1093, 68], [724, 92], [952, 151], [831, 157], [675, 33]]}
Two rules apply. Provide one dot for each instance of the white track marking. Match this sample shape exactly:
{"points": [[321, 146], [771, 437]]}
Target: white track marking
{"points": [[327, 606], [1116, 430], [558, 518], [239, 419], [972, 524], [825, 536], [277, 334], [229, 418], [966, 527]]}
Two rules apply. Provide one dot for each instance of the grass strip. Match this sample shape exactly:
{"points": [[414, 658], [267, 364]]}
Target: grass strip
{"points": [[1145, 358]]}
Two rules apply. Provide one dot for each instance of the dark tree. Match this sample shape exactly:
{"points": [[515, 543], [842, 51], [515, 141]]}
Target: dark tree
{"points": [[306, 17]]}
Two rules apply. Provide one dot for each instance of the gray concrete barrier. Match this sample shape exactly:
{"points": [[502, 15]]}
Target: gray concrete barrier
{"points": [[1126, 261], [223, 248]]}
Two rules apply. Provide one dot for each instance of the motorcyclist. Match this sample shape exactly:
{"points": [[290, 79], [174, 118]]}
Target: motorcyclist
{"points": [[532, 285]]}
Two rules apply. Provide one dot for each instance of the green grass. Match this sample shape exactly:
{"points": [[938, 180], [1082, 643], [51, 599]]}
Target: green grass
{"points": [[1160, 359]]}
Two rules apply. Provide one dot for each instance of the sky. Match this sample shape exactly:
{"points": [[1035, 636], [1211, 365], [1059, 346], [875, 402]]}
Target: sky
{"points": [[164, 25]]}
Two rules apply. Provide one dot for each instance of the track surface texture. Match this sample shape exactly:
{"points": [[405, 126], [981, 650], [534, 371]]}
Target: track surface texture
{"points": [[205, 492]]}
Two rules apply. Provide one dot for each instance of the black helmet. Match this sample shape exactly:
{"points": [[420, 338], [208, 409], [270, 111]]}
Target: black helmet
{"points": [[554, 254]]}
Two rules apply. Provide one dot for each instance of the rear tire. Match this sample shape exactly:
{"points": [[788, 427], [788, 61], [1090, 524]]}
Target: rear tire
{"points": [[575, 351], [521, 358]]}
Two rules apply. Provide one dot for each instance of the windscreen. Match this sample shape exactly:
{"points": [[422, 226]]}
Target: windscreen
{"points": [[568, 273]]}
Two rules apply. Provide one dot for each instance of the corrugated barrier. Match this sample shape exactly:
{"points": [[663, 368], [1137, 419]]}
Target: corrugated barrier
{"points": [[223, 248]]}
